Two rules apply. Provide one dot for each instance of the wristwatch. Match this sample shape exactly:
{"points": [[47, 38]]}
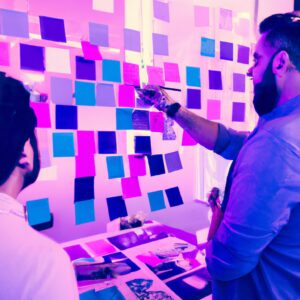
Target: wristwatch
{"points": [[173, 109]]}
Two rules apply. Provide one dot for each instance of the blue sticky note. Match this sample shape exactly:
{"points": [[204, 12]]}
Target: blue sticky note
{"points": [[85, 68], [156, 164], [98, 34], [14, 23], [89, 295], [116, 207], [142, 145], [105, 95], [52, 29], [107, 142], [110, 293], [226, 51], [27, 52], [156, 200], [115, 167], [193, 99], [84, 188], [84, 211], [174, 196], [66, 117], [207, 47], [132, 40], [173, 161], [215, 80], [160, 44], [111, 70], [85, 93], [124, 118], [193, 76], [61, 90], [38, 211], [63, 144], [140, 119]]}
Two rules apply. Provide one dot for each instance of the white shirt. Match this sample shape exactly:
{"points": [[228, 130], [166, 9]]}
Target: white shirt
{"points": [[31, 265]]}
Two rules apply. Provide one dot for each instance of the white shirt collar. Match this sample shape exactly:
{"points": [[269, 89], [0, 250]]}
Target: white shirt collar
{"points": [[10, 205]]}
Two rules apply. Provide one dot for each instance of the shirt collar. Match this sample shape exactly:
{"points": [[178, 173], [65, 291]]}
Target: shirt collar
{"points": [[11, 206]]}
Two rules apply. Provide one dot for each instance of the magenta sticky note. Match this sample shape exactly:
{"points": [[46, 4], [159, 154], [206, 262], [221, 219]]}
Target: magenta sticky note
{"points": [[150, 259], [187, 140], [130, 187], [157, 121], [42, 111], [131, 73], [201, 16], [85, 166], [137, 165], [155, 75], [126, 96], [86, 143], [90, 51], [101, 247], [171, 72], [4, 54], [213, 109]]}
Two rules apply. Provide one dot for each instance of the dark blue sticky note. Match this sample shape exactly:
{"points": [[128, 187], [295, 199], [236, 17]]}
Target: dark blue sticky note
{"points": [[85, 93], [140, 119], [110, 293], [63, 144], [32, 57], [66, 117], [156, 164], [207, 47], [98, 34], [215, 80], [52, 29], [173, 161], [107, 143], [193, 76], [85, 68], [193, 98], [115, 167], [243, 54], [38, 211], [61, 90], [84, 188], [239, 82], [226, 50], [124, 118], [132, 40], [156, 200], [111, 70], [142, 145], [238, 112], [174, 196], [105, 95], [84, 211], [116, 207]]}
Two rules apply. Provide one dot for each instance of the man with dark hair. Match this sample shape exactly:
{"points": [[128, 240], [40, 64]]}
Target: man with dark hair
{"points": [[32, 266]]}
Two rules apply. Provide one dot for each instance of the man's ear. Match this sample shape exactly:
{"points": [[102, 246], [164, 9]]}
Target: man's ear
{"points": [[281, 63], [24, 161]]}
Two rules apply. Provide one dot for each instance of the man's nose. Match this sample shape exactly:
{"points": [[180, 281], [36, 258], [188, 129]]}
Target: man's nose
{"points": [[249, 73]]}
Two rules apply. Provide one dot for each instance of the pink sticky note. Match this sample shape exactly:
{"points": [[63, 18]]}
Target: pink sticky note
{"points": [[101, 247], [86, 143], [126, 96], [90, 51], [42, 112], [130, 187], [187, 140], [42, 137], [171, 72], [150, 259], [201, 16], [157, 121], [225, 21], [137, 165], [131, 74], [213, 109], [243, 27], [85, 166], [4, 54], [155, 75]]}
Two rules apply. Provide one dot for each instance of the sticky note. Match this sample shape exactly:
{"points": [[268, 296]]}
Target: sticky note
{"points": [[160, 44], [155, 75], [115, 167], [132, 40], [126, 96], [239, 82], [42, 112], [58, 60], [137, 165], [66, 117], [156, 164], [105, 95], [98, 34], [84, 212], [173, 161], [150, 259], [156, 200], [161, 10], [107, 143], [38, 211], [193, 98], [243, 27], [110, 293], [104, 6], [116, 207], [243, 54], [44, 147], [85, 166], [52, 29], [130, 187], [84, 188], [63, 144], [226, 50], [140, 119], [27, 52], [215, 80], [142, 145], [14, 23], [124, 118], [193, 76], [89, 295], [111, 70], [213, 109], [86, 143], [238, 112], [225, 21], [187, 140], [171, 72], [131, 74], [174, 196], [4, 54], [90, 51], [201, 16], [156, 121], [85, 69], [207, 47], [61, 90], [85, 93], [101, 247], [76, 251]]}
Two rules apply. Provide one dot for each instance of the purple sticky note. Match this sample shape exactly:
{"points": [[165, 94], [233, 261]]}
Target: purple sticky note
{"points": [[98, 34], [201, 16], [86, 143], [4, 54], [238, 82], [105, 95], [137, 165], [42, 111], [140, 119], [155, 75], [130, 187], [76, 251], [160, 44], [85, 69], [157, 121], [243, 54], [132, 40], [27, 52], [226, 50], [126, 96], [215, 80], [52, 29], [101, 247], [213, 109], [193, 99], [61, 90], [238, 112], [171, 72], [187, 140], [161, 10], [225, 19], [14, 23], [173, 161], [131, 74], [90, 51]]}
